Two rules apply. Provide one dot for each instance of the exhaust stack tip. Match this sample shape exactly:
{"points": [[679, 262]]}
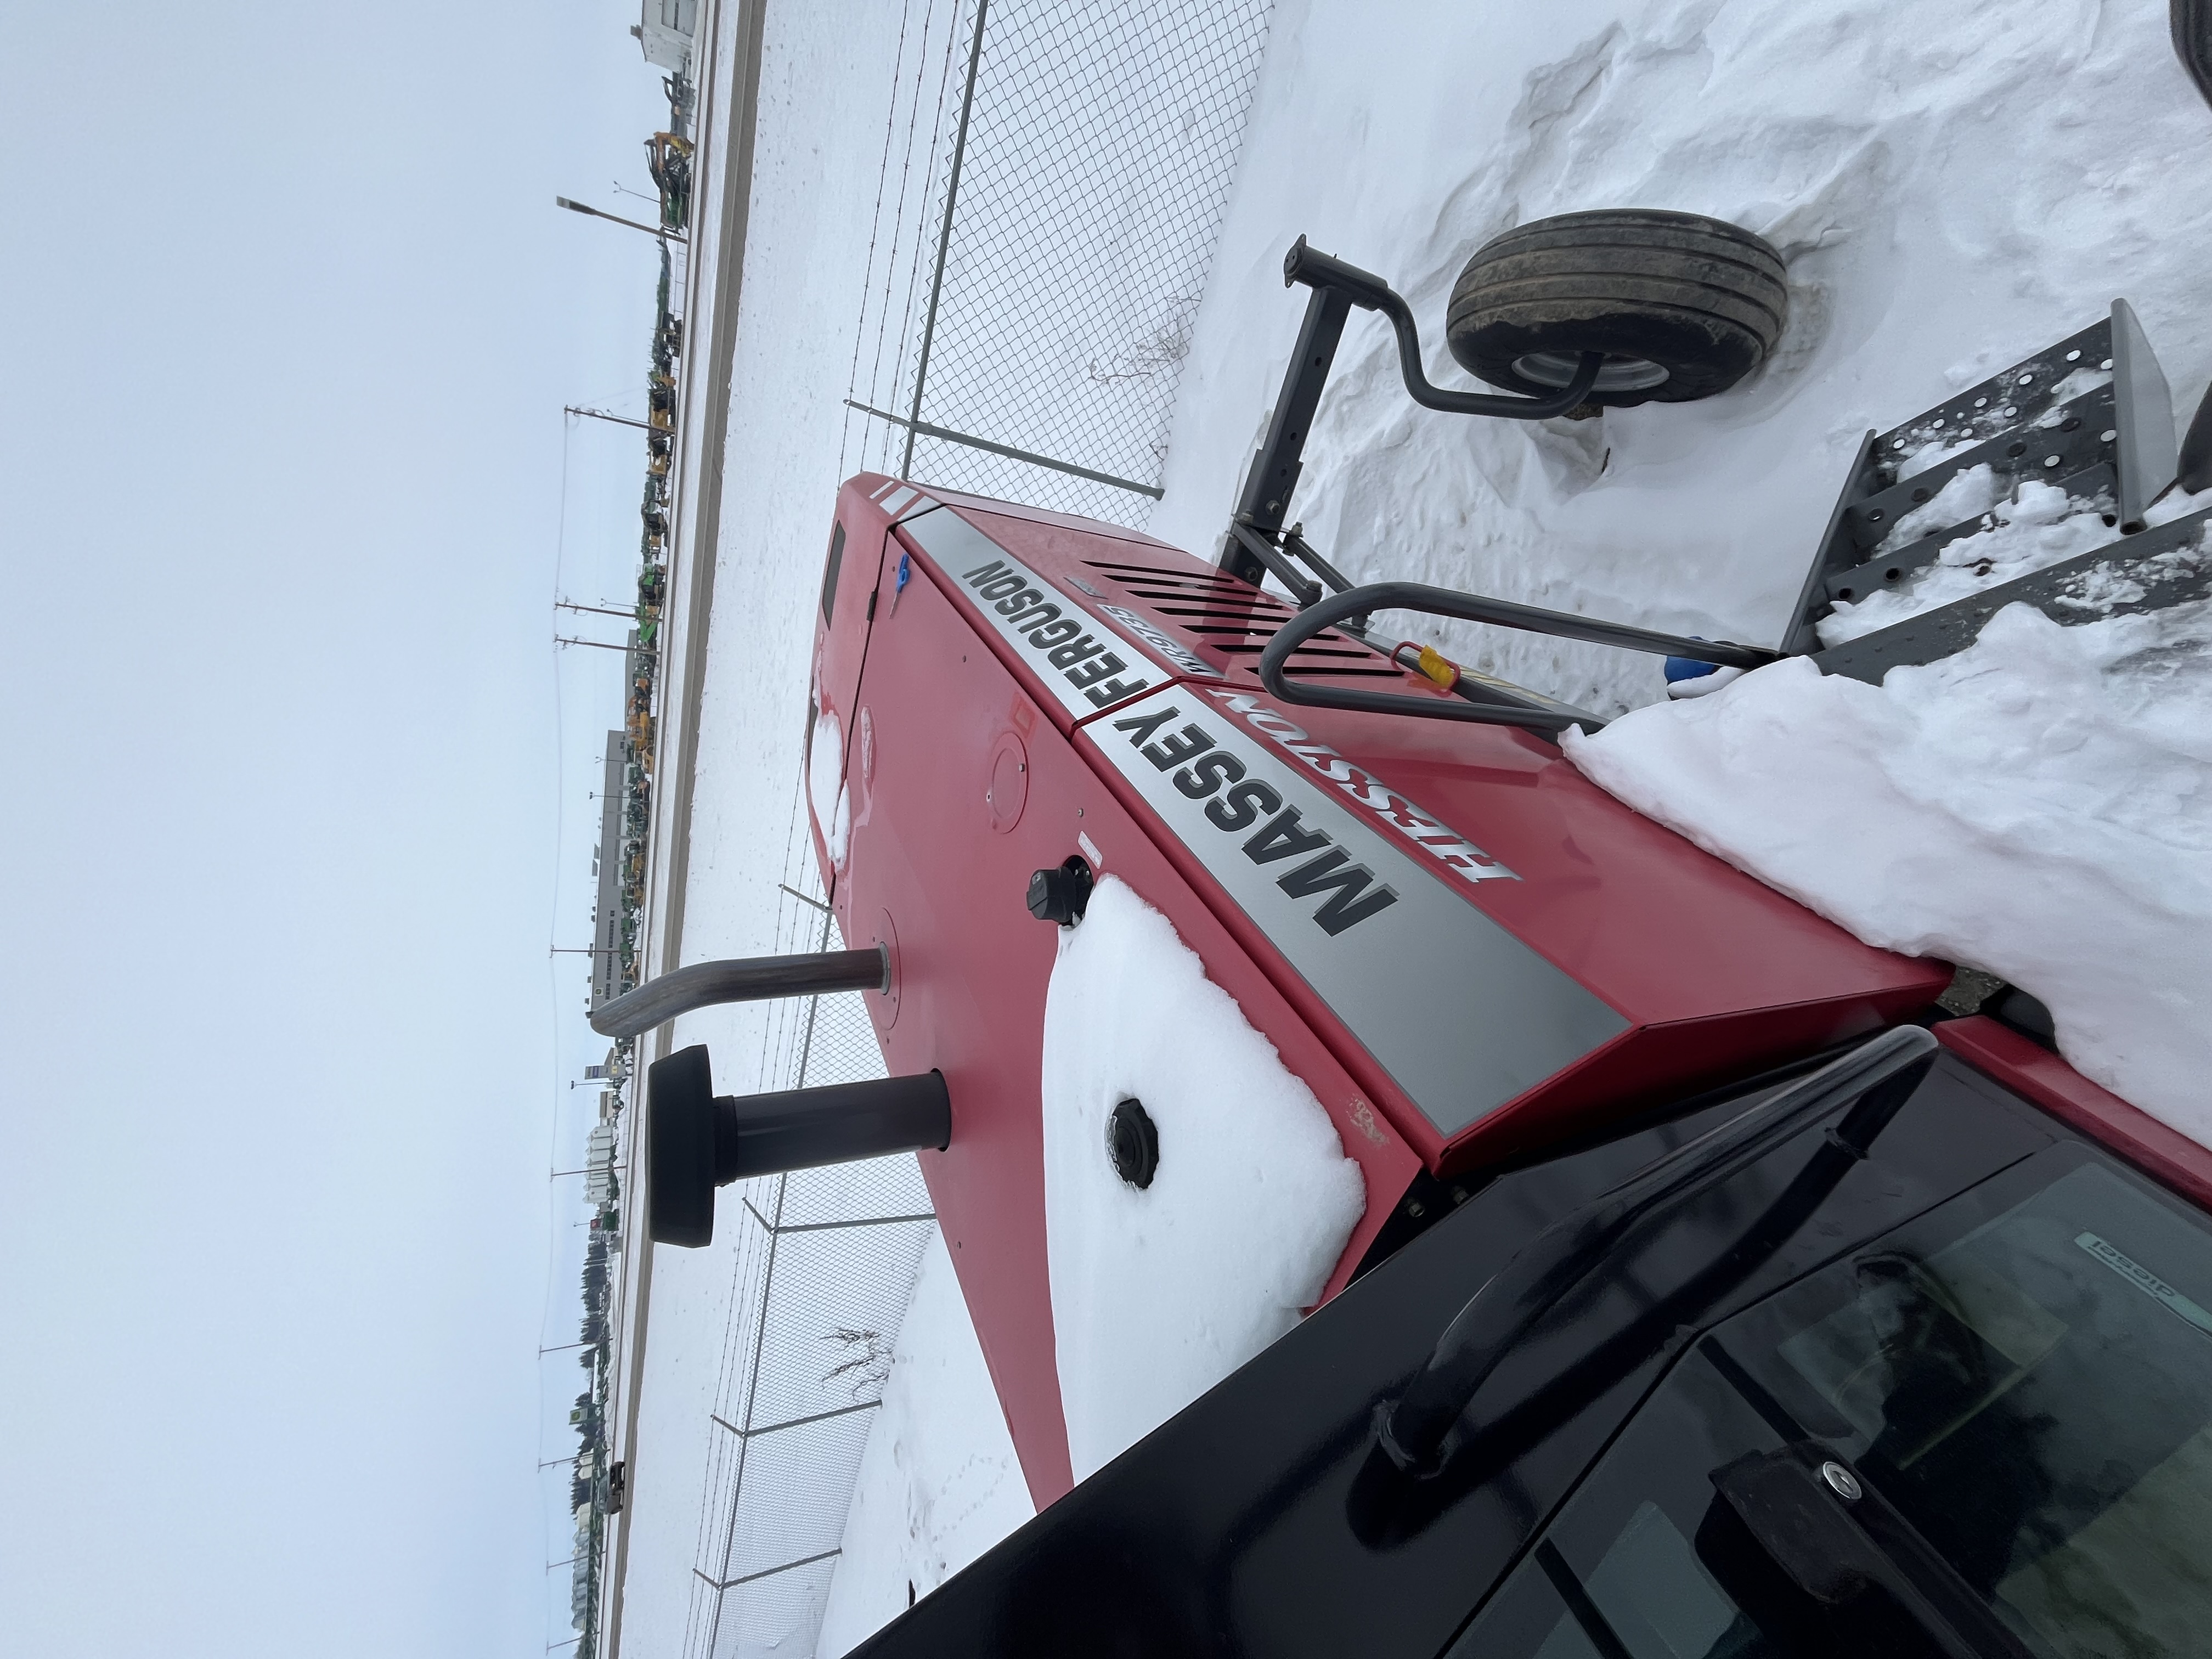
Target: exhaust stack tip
{"points": [[696, 1141], [753, 979]]}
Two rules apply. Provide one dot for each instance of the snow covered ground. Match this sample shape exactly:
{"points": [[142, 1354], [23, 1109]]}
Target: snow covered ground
{"points": [[1954, 184], [821, 139], [939, 1483], [1953, 189]]}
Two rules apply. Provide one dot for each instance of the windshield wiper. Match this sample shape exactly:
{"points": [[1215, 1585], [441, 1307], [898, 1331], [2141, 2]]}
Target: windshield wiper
{"points": [[1879, 1075]]}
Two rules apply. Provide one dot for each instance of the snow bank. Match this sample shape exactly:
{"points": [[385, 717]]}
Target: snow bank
{"points": [[2043, 526], [939, 1483], [2038, 806], [1952, 188], [1159, 1293]]}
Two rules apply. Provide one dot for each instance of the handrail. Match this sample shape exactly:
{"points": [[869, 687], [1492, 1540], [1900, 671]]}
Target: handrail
{"points": [[1472, 607], [1368, 291]]}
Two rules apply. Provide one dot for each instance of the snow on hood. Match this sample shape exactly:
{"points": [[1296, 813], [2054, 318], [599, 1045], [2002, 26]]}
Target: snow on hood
{"points": [[1158, 1294], [2038, 806], [825, 785]]}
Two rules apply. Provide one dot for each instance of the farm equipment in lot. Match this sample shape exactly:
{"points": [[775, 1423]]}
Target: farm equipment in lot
{"points": [[1715, 1290]]}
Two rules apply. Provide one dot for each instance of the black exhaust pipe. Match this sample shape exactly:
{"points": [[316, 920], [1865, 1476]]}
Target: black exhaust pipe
{"points": [[751, 979], [696, 1141]]}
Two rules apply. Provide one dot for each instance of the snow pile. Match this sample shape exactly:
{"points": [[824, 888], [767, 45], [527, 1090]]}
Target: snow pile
{"points": [[825, 785], [2038, 806], [2042, 526], [1953, 189], [1159, 1293], [939, 1483]]}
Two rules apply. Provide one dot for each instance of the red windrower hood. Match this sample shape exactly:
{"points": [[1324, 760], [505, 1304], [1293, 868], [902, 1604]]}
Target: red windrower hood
{"points": [[1459, 944]]}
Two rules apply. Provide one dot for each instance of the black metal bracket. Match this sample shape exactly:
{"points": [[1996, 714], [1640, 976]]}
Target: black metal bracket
{"points": [[2091, 414], [1481, 702], [1253, 545], [2195, 458]]}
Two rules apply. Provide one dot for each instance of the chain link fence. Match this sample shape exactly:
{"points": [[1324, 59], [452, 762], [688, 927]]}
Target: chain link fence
{"points": [[1052, 183], [1081, 156], [824, 1266]]}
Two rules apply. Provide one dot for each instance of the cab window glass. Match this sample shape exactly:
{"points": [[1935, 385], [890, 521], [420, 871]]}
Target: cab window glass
{"points": [[2024, 1376], [829, 569]]}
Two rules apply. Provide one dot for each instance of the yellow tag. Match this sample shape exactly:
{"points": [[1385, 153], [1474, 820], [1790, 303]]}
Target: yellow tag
{"points": [[1443, 669]]}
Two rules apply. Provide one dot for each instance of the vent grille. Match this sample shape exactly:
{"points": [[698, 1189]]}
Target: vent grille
{"points": [[1215, 610]]}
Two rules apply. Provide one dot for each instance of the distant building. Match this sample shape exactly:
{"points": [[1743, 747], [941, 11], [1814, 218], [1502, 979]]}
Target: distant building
{"points": [[666, 32], [606, 929], [599, 1164]]}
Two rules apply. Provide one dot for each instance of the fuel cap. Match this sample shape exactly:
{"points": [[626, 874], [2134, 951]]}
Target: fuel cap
{"points": [[1133, 1142]]}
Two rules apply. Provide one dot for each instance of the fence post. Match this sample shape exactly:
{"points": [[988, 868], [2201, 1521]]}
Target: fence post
{"points": [[944, 235]]}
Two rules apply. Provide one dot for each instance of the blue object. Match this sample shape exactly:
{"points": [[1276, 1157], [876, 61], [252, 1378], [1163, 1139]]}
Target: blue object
{"points": [[1688, 668], [904, 572]]}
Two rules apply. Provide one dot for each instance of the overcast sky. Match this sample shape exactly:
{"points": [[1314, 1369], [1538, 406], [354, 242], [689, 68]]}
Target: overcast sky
{"points": [[289, 317]]}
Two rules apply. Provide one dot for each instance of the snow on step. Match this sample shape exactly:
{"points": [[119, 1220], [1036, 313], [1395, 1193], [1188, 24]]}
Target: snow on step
{"points": [[2043, 526], [1159, 1293], [2038, 806]]}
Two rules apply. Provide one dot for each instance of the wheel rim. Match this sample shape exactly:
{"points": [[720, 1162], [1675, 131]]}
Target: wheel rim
{"points": [[1619, 374]]}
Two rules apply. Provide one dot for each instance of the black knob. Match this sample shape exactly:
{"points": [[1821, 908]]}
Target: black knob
{"points": [[1133, 1142], [1060, 896]]}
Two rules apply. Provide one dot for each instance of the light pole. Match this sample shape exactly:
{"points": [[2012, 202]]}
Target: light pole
{"points": [[650, 230], [601, 415]]}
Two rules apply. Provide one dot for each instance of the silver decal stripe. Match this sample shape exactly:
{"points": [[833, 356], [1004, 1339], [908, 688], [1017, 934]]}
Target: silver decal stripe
{"points": [[1163, 641], [1081, 661], [1460, 1013], [1431, 833], [2146, 1281]]}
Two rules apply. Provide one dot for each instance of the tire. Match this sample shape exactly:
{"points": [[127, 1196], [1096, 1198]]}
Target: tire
{"points": [[1684, 306], [2192, 24]]}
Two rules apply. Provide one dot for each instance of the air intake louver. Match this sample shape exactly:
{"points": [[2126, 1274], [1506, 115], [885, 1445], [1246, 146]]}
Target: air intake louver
{"points": [[1220, 613]]}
